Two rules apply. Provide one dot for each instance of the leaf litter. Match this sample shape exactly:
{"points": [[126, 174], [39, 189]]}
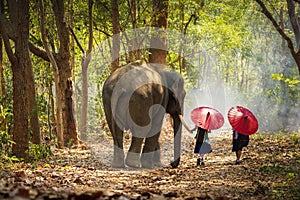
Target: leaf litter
{"points": [[270, 170]]}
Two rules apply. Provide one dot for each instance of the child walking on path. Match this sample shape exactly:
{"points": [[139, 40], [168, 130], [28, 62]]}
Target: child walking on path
{"points": [[202, 145], [239, 141], [243, 123], [205, 118]]}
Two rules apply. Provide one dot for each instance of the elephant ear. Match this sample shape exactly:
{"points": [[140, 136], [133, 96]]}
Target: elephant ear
{"points": [[176, 92], [175, 84]]}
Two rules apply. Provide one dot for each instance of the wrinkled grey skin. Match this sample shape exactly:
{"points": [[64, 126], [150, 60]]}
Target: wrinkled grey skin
{"points": [[127, 96]]}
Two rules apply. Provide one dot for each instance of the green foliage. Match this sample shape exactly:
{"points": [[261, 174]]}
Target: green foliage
{"points": [[273, 168], [291, 90], [291, 172], [9, 159], [5, 131], [70, 143], [39, 152], [259, 136], [5, 142], [284, 93], [295, 137]]}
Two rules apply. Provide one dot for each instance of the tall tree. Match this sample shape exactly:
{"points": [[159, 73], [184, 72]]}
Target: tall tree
{"points": [[50, 57], [2, 79], [29, 76], [116, 34], [62, 67], [84, 69], [295, 51], [20, 61], [134, 51], [70, 133], [158, 42], [32, 106]]}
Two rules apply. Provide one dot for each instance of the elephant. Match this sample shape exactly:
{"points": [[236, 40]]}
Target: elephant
{"points": [[136, 97]]}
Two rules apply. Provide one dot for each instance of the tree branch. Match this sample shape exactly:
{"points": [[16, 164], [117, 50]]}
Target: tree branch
{"points": [[38, 52], [296, 55], [90, 47], [44, 37], [5, 32], [62, 28], [187, 24], [8, 48], [104, 32], [8, 33], [266, 12], [76, 39], [294, 20], [4, 22]]}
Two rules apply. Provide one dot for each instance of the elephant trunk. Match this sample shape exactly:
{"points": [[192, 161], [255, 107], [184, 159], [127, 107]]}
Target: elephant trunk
{"points": [[177, 139], [184, 124]]}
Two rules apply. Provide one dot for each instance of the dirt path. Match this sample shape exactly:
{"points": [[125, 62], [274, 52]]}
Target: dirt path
{"points": [[218, 178], [270, 170]]}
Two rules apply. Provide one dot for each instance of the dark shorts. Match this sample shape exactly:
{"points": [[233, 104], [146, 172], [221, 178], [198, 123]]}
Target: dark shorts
{"points": [[239, 144]]}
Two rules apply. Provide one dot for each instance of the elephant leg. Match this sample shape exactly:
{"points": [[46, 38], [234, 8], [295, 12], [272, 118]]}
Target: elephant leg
{"points": [[133, 155], [151, 152], [118, 159], [156, 156]]}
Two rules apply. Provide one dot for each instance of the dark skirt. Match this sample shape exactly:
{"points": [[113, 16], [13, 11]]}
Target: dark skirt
{"points": [[241, 142], [201, 146]]}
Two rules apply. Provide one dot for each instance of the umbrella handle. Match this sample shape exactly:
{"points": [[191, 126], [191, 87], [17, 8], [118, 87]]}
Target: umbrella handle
{"points": [[207, 116]]}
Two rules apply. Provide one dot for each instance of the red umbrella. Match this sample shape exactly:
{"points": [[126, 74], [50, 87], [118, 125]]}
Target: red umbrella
{"points": [[242, 120], [207, 118]]}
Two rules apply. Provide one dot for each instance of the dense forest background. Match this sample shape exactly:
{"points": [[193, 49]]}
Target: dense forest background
{"points": [[55, 56]]}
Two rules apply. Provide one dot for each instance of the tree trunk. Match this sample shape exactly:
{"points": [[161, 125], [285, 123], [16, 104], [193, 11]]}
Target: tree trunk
{"points": [[182, 30], [2, 78], [58, 97], [86, 60], [84, 100], [51, 110], [283, 42], [294, 21], [2, 88], [28, 75], [134, 51], [65, 75], [20, 61], [158, 42], [296, 29], [58, 109], [70, 21], [32, 107], [116, 34], [70, 135], [283, 113]]}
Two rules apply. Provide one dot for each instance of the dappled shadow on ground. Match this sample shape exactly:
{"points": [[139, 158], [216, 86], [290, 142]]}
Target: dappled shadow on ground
{"points": [[270, 169]]}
